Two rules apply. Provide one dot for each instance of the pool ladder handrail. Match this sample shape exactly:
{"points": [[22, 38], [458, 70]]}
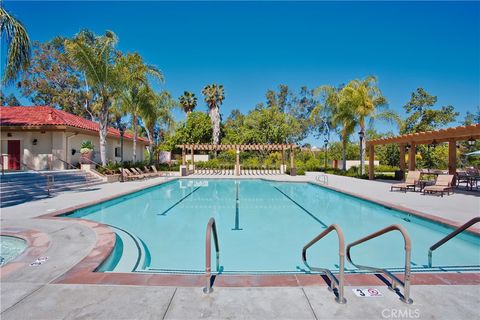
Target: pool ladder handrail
{"points": [[334, 282], [394, 279], [453, 234], [211, 227]]}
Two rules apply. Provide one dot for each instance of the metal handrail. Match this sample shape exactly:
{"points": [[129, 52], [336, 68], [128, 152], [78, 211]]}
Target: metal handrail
{"points": [[50, 178], [394, 279], [457, 231], [211, 226], [85, 175], [334, 282]]}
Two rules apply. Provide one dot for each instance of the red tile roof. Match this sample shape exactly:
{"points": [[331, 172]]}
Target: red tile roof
{"points": [[49, 116]]}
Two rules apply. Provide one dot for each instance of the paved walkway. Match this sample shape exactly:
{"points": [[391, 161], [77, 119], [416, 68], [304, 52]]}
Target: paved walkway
{"points": [[29, 293]]}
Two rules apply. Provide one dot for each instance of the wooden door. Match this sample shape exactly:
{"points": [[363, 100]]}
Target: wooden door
{"points": [[13, 154]]}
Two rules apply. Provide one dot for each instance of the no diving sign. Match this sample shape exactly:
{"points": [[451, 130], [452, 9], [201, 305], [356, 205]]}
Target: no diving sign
{"points": [[367, 293]]}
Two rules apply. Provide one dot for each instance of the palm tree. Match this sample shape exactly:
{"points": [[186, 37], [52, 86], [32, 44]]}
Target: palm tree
{"points": [[336, 112], [96, 57], [157, 115], [188, 101], [366, 99], [18, 45], [136, 94], [214, 96]]}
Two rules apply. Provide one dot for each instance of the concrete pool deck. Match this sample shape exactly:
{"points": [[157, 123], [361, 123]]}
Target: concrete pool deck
{"points": [[31, 292]]}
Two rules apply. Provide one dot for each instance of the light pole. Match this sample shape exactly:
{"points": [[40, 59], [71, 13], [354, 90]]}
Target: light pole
{"points": [[325, 143], [361, 135], [122, 132]]}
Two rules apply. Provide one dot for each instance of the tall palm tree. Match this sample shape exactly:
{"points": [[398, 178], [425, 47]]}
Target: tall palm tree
{"points": [[214, 96], [188, 101], [337, 112], [156, 116], [366, 99], [18, 45], [136, 93], [96, 57]]}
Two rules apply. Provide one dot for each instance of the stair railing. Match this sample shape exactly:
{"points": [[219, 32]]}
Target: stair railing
{"points": [[394, 279], [211, 228], [50, 178]]}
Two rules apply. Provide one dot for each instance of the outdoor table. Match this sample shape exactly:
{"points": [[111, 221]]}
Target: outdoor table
{"points": [[471, 181]]}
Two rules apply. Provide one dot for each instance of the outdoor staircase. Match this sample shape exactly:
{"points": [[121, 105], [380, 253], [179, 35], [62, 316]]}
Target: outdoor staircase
{"points": [[19, 187]]}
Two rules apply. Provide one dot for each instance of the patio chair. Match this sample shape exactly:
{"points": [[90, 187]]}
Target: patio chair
{"points": [[444, 183], [134, 172], [411, 182], [127, 174], [152, 173]]}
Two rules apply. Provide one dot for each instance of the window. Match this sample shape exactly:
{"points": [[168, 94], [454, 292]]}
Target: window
{"points": [[117, 152]]}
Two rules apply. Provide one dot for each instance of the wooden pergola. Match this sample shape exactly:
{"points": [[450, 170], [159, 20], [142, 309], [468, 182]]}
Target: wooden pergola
{"points": [[239, 148], [450, 135]]}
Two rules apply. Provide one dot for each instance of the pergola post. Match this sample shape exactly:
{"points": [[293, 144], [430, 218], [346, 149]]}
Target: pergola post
{"points": [[193, 160], [371, 162], [282, 166], [293, 170], [402, 157], [183, 156], [237, 162], [452, 156], [411, 156]]}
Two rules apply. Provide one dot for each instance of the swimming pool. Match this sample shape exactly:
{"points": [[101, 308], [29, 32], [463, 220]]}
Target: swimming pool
{"points": [[262, 228], [10, 248]]}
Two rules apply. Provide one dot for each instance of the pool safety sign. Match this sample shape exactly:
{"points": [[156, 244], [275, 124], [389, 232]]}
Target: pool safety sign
{"points": [[38, 262], [367, 293]]}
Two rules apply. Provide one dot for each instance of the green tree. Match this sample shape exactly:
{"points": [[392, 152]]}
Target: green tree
{"points": [[472, 117], [53, 80], [18, 45], [197, 128], [10, 100], [335, 111], [214, 96], [96, 57], [366, 99], [188, 101], [136, 93], [422, 116], [157, 118]]}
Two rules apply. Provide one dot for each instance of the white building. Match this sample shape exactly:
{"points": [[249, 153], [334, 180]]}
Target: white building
{"points": [[41, 137]]}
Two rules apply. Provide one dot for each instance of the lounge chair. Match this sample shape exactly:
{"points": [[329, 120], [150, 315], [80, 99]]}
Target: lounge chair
{"points": [[152, 173], [134, 172], [128, 175], [444, 183], [411, 182]]}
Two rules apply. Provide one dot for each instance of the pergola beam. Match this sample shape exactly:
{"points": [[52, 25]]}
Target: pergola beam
{"points": [[450, 135], [443, 135]]}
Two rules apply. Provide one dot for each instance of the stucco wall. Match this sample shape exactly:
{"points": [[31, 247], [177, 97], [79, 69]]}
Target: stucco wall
{"points": [[60, 144]]}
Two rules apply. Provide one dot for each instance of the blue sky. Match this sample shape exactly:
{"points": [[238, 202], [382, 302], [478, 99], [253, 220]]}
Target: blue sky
{"points": [[250, 47]]}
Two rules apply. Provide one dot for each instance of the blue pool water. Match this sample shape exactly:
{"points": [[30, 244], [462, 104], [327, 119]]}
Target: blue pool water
{"points": [[10, 248], [263, 226]]}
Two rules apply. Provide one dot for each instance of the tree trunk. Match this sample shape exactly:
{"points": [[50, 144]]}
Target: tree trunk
{"points": [[344, 153], [215, 118], [134, 138], [150, 146], [103, 126]]}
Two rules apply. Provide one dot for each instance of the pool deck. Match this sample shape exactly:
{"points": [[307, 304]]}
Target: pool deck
{"points": [[35, 292]]}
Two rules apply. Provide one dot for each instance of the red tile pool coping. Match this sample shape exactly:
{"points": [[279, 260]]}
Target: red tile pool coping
{"points": [[37, 244], [84, 271]]}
